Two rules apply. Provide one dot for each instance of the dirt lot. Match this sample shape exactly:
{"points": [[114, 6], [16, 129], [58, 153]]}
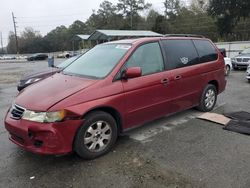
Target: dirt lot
{"points": [[178, 151]]}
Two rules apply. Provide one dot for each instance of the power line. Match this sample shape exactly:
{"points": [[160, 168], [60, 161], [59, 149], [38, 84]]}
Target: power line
{"points": [[53, 21], [62, 15]]}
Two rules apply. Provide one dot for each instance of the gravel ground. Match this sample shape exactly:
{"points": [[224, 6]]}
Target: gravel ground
{"points": [[176, 151]]}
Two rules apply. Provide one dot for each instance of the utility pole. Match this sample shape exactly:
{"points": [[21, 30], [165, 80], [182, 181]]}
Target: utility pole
{"points": [[1, 42], [131, 17], [14, 22]]}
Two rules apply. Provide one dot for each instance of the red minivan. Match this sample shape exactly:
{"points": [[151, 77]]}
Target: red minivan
{"points": [[112, 88]]}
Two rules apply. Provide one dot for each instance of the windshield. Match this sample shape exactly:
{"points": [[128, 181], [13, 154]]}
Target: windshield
{"points": [[67, 62], [246, 51], [98, 62]]}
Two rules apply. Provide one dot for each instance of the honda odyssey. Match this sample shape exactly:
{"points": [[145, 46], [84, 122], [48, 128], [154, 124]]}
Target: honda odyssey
{"points": [[112, 88]]}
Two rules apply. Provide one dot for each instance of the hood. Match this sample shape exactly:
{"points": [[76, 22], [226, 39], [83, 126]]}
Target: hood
{"points": [[46, 93], [40, 74]]}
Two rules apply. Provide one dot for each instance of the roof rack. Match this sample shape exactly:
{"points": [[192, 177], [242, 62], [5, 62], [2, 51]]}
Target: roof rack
{"points": [[184, 35]]}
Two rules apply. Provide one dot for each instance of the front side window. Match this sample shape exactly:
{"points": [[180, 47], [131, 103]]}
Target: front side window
{"points": [[98, 62], [148, 57], [180, 53], [206, 50]]}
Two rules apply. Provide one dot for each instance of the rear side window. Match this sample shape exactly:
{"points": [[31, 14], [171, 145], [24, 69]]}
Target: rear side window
{"points": [[180, 53], [148, 57], [206, 51]]}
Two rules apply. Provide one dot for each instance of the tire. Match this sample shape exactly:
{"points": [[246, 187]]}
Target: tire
{"points": [[208, 98], [235, 68], [96, 136], [227, 71]]}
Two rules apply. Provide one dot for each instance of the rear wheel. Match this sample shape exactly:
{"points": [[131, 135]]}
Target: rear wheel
{"points": [[96, 136], [208, 98]]}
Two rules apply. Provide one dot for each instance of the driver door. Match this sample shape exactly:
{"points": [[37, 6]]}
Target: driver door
{"points": [[145, 96]]}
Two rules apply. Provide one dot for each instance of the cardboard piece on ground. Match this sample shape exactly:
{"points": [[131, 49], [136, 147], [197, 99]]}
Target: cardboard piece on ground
{"points": [[216, 118]]}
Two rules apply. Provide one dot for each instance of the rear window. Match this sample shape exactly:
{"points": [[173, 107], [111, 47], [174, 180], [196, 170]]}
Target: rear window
{"points": [[206, 51], [180, 53]]}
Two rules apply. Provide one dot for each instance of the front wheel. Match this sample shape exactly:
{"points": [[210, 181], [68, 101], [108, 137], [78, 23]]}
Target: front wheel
{"points": [[96, 136], [208, 98]]}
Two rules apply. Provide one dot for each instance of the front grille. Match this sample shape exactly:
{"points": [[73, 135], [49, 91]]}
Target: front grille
{"points": [[246, 59], [239, 59], [17, 112]]}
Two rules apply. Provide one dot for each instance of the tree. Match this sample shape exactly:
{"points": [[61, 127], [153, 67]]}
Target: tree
{"points": [[11, 47], [107, 9], [172, 8], [30, 41], [228, 13], [190, 22], [199, 6], [130, 9], [58, 40], [161, 25], [151, 19], [78, 27], [106, 17]]}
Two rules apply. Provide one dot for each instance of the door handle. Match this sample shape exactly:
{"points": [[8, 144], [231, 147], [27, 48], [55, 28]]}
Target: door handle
{"points": [[178, 77], [164, 81]]}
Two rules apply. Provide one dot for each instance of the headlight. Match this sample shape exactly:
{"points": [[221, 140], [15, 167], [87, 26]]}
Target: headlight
{"points": [[44, 117], [233, 59], [32, 80]]}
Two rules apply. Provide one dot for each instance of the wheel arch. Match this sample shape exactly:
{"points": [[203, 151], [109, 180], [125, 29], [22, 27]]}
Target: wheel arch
{"points": [[110, 110], [215, 83]]}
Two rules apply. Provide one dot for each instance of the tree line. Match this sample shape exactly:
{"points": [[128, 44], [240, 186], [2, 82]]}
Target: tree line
{"points": [[219, 20]]}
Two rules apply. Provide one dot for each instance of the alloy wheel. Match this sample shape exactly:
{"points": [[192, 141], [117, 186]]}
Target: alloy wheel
{"points": [[209, 98], [97, 136]]}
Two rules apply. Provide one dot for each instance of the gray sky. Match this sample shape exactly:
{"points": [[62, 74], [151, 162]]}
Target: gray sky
{"points": [[45, 15]]}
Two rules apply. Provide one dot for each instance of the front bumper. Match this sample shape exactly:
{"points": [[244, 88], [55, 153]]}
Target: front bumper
{"points": [[43, 138], [240, 64]]}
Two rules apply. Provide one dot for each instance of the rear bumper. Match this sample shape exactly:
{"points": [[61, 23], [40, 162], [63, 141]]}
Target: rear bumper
{"points": [[43, 138]]}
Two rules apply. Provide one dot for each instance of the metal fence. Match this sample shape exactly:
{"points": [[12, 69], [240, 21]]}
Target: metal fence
{"points": [[233, 48]]}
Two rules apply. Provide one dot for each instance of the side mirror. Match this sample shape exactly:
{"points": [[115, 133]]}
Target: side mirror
{"points": [[131, 72], [239, 52], [223, 52]]}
